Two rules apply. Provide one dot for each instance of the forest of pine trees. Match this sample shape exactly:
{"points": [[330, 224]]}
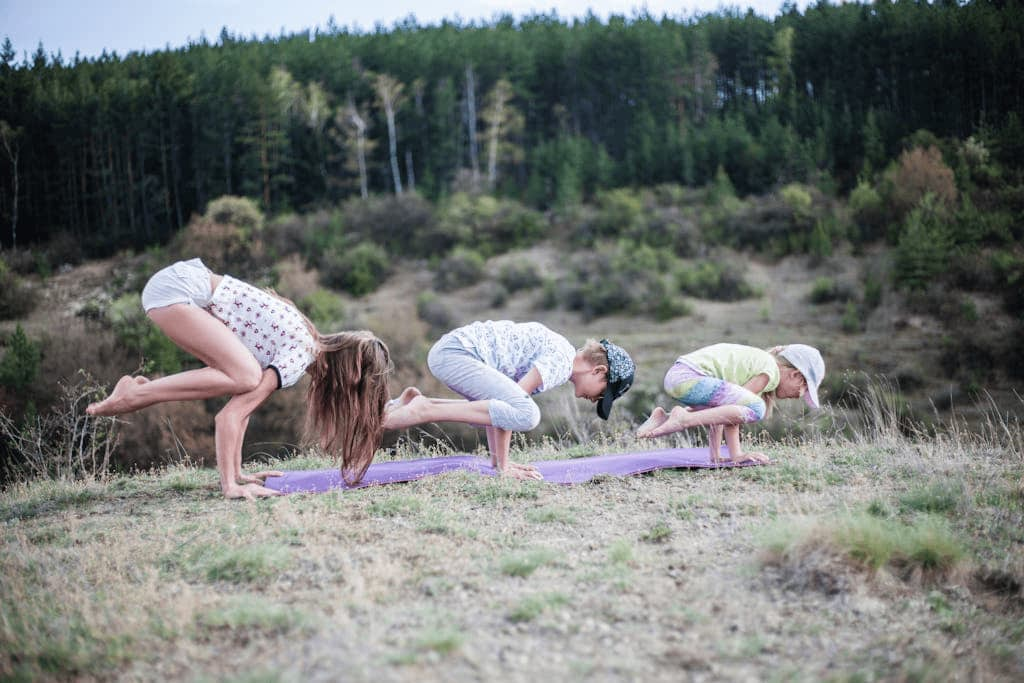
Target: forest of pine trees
{"points": [[119, 151]]}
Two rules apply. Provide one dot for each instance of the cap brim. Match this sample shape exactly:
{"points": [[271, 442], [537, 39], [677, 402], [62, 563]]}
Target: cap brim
{"points": [[604, 406]]}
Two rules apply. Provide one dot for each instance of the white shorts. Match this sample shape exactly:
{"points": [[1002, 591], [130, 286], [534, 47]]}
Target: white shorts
{"points": [[185, 282]]}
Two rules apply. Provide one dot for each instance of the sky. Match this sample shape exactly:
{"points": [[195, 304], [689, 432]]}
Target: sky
{"points": [[87, 27]]}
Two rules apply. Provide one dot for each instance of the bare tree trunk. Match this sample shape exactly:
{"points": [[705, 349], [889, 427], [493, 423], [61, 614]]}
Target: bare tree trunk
{"points": [[389, 93], [474, 164], [492, 143], [393, 149], [264, 142], [359, 125], [9, 138], [363, 190], [409, 173]]}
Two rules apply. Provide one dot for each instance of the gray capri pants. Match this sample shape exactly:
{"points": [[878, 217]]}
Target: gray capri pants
{"points": [[466, 374], [184, 282]]}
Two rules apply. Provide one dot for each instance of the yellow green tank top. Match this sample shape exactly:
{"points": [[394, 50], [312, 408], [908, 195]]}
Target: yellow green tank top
{"points": [[734, 363]]}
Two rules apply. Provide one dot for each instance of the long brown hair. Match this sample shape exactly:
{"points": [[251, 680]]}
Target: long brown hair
{"points": [[346, 398]]}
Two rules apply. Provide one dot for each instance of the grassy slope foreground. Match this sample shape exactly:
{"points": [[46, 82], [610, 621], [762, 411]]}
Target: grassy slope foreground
{"points": [[866, 559]]}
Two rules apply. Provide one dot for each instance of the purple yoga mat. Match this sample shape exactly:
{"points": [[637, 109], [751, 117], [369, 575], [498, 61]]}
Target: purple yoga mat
{"points": [[574, 471]]}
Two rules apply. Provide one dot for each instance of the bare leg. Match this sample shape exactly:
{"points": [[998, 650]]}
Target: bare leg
{"points": [[422, 409], [715, 441], [681, 418], [232, 368]]}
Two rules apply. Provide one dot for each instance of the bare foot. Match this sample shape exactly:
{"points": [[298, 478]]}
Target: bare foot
{"points": [[753, 456], [657, 418], [408, 394], [406, 415], [676, 421], [141, 380], [119, 401]]}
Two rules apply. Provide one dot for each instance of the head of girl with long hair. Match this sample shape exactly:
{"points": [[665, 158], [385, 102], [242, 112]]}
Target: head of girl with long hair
{"points": [[346, 397]]}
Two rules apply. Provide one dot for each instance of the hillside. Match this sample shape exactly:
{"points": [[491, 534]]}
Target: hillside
{"points": [[894, 343]]}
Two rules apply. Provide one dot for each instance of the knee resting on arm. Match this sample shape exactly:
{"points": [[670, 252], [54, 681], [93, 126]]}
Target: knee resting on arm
{"points": [[517, 415]]}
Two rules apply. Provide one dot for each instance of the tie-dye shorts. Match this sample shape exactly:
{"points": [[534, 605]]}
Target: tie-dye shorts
{"points": [[692, 387]]}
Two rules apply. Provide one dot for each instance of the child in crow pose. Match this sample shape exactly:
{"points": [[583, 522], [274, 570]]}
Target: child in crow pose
{"points": [[497, 366], [254, 342], [725, 385]]}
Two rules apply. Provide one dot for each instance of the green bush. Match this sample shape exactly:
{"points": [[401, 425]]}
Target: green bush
{"points": [[324, 308], [851, 321], [487, 224], [620, 277], [241, 212], [1009, 269], [228, 237], [137, 332], [923, 249], [461, 268], [16, 299], [519, 275], [714, 280], [20, 364], [432, 311], [868, 211], [405, 225], [798, 198], [826, 290], [357, 270]]}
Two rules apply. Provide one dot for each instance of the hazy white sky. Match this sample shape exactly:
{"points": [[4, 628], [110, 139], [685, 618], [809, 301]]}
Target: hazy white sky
{"points": [[89, 26]]}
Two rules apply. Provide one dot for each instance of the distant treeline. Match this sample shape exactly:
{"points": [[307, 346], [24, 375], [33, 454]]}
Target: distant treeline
{"points": [[120, 151]]}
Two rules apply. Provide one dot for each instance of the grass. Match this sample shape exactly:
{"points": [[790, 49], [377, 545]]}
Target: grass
{"points": [[525, 563], [867, 542], [533, 606], [903, 553]]}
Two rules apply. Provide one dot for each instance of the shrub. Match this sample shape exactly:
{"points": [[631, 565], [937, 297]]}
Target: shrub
{"points": [[462, 268], [519, 275], [432, 311], [228, 237], [620, 277], [919, 172], [714, 280], [137, 332], [16, 298], [826, 290], [764, 225], [851, 321], [488, 224], [241, 212], [358, 270], [868, 211], [405, 225], [620, 212], [1009, 269], [923, 248], [63, 443], [798, 198], [324, 308], [20, 364]]}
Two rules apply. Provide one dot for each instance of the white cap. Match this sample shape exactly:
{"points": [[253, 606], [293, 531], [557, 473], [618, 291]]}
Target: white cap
{"points": [[809, 362]]}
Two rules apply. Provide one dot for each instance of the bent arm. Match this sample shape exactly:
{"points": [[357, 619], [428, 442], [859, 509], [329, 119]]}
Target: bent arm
{"points": [[757, 384], [231, 423], [531, 381]]}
